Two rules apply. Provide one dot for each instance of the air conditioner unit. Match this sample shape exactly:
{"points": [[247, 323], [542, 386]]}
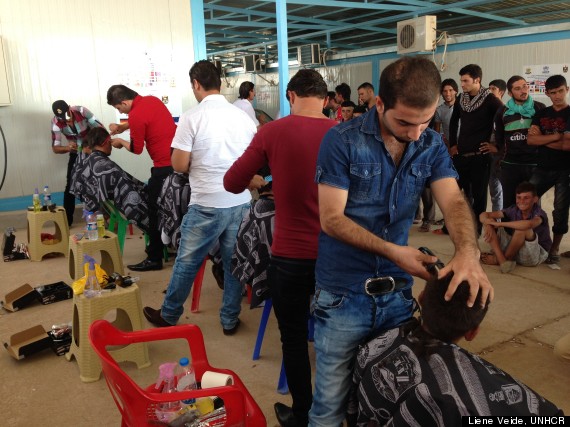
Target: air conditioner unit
{"points": [[417, 35], [251, 63], [309, 54]]}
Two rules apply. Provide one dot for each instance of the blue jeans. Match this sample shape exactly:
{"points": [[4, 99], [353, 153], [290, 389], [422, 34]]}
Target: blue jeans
{"points": [[342, 322], [201, 228], [544, 180], [495, 186]]}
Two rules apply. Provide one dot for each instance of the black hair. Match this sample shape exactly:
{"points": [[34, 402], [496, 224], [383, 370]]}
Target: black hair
{"points": [[473, 70], [366, 85], [96, 137], [207, 74], [512, 81], [244, 89], [308, 83], [499, 83], [450, 320], [449, 82], [119, 93], [331, 94], [525, 187], [554, 82], [348, 104], [412, 80], [343, 90]]}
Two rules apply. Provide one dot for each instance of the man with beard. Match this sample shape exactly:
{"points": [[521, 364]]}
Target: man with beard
{"points": [[371, 173], [512, 123], [472, 161]]}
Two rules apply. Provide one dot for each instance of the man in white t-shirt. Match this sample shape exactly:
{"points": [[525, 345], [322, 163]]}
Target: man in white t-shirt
{"points": [[246, 95], [205, 146]]}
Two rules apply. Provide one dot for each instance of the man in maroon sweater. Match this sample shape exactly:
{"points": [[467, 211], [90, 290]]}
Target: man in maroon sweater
{"points": [[292, 140]]}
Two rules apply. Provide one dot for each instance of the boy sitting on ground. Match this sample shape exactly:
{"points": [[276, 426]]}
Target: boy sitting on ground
{"points": [[521, 236]]}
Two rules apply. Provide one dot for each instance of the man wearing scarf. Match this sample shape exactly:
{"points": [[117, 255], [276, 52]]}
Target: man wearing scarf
{"points": [[512, 123], [472, 161]]}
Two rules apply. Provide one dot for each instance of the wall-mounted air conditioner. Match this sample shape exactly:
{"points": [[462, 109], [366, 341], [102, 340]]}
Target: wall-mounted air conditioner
{"points": [[251, 63], [417, 35], [309, 54]]}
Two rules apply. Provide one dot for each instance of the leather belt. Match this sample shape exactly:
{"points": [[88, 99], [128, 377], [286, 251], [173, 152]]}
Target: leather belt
{"points": [[384, 285]]}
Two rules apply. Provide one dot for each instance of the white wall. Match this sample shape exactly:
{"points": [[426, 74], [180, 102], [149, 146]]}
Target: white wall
{"points": [[75, 51]]}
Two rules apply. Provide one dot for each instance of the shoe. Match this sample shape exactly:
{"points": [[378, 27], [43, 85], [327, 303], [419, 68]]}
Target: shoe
{"points": [[233, 329], [552, 259], [507, 266], [285, 416], [146, 265], [417, 220], [154, 317], [424, 227]]}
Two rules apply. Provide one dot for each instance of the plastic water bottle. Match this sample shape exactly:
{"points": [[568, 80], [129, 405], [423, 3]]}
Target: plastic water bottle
{"points": [[47, 197], [92, 286], [186, 379], [36, 201], [166, 412], [91, 225], [100, 226]]}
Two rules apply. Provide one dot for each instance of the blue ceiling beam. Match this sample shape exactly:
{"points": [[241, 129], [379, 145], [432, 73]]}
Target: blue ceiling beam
{"points": [[198, 29]]}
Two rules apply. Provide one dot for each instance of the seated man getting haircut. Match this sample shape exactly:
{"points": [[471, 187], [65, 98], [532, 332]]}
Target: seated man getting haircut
{"points": [[98, 179], [417, 375]]}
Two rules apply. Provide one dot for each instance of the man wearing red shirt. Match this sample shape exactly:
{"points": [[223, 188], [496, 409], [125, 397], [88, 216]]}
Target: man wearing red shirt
{"points": [[292, 140], [150, 123]]}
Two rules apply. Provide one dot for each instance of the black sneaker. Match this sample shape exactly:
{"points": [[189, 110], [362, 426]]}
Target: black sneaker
{"points": [[146, 265], [232, 330]]}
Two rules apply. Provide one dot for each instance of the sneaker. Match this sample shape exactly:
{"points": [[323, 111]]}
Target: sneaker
{"points": [[232, 330]]}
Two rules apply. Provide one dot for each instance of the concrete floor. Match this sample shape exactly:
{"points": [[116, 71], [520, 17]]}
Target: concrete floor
{"points": [[530, 312]]}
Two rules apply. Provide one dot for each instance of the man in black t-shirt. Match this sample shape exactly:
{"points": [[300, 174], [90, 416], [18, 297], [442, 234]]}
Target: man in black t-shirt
{"points": [[553, 169]]}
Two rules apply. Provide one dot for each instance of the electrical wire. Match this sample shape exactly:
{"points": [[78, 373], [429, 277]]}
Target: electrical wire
{"points": [[5, 158]]}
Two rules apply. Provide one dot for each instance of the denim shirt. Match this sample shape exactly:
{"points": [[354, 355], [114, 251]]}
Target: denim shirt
{"points": [[382, 197]]}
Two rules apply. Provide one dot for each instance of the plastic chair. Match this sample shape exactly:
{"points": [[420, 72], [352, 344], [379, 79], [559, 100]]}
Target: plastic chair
{"points": [[137, 405], [197, 287], [117, 220]]}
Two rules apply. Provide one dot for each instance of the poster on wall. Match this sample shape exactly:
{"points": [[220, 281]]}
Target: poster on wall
{"points": [[536, 76]]}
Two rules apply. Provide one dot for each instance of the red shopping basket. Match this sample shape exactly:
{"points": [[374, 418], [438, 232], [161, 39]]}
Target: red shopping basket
{"points": [[138, 405]]}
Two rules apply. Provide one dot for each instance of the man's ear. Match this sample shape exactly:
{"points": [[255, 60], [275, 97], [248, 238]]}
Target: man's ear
{"points": [[471, 334], [379, 105]]}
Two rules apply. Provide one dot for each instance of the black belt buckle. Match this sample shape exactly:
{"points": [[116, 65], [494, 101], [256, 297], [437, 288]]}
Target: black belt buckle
{"points": [[379, 285]]}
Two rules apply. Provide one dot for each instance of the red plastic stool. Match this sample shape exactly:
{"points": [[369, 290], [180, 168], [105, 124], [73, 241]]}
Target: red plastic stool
{"points": [[138, 405], [197, 288]]}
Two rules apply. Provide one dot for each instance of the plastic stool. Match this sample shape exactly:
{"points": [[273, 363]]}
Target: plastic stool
{"points": [[127, 302], [164, 249], [119, 222], [197, 288], [36, 221], [111, 260]]}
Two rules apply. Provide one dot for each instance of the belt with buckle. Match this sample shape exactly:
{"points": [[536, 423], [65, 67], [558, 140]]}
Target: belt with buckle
{"points": [[384, 285]]}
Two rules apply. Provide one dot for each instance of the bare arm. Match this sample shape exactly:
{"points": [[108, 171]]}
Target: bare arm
{"points": [[181, 160], [71, 147], [535, 137], [332, 203], [120, 143], [461, 226], [118, 128], [490, 217], [523, 224]]}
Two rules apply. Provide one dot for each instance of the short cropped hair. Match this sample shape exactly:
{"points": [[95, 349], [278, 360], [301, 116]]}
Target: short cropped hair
{"points": [[450, 320], [331, 94], [308, 83], [499, 84], [449, 82], [473, 70], [348, 104], [554, 82], [512, 81], [344, 90], [412, 80], [244, 89], [119, 93], [207, 74], [97, 137], [525, 187], [366, 85]]}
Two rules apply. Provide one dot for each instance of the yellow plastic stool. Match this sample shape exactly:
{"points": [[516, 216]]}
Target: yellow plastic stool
{"points": [[111, 260], [36, 221], [127, 303]]}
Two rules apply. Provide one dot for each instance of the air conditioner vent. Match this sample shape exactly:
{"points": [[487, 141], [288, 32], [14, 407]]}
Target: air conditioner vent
{"points": [[309, 54], [416, 35]]}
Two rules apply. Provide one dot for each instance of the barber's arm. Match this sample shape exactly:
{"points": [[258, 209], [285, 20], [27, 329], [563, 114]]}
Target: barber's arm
{"points": [[181, 160], [332, 203], [116, 128], [120, 143], [461, 226]]}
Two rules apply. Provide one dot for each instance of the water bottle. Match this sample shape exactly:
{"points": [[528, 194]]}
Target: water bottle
{"points": [[92, 286], [186, 379], [100, 226], [168, 411], [91, 225], [36, 201], [47, 197]]}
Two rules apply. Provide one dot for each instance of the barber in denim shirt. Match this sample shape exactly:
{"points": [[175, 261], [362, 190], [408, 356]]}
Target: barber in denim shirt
{"points": [[371, 172]]}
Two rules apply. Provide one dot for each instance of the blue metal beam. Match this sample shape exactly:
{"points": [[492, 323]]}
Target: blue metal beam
{"points": [[198, 29]]}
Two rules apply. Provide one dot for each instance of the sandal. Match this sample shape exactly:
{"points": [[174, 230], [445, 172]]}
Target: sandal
{"points": [[424, 228], [565, 254], [552, 259]]}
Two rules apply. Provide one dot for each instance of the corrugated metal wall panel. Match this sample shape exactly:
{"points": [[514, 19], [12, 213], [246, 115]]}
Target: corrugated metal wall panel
{"points": [[54, 51]]}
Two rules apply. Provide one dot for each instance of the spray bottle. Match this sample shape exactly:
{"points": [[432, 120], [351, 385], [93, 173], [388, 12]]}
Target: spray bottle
{"points": [[92, 286], [167, 411]]}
